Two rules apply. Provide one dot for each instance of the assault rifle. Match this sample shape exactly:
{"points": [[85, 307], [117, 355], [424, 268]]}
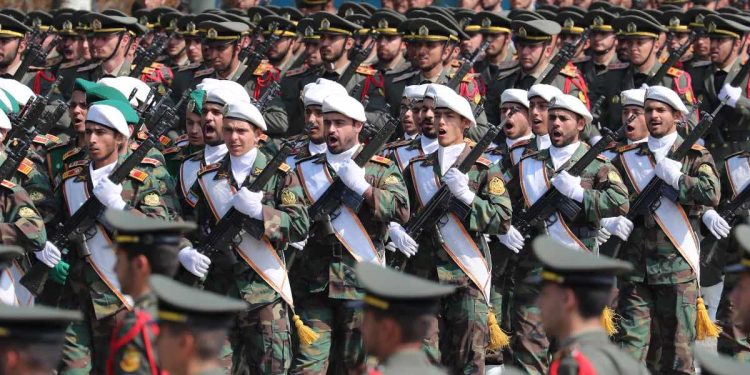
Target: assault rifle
{"points": [[78, 225], [145, 57], [674, 57], [24, 123], [648, 200], [34, 55], [466, 65], [218, 245], [563, 57], [256, 57], [357, 57], [728, 211]]}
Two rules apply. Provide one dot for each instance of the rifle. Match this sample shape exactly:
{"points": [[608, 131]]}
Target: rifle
{"points": [[563, 57], [34, 54], [729, 212], [648, 200], [338, 193], [674, 57], [466, 65], [358, 56], [217, 246], [92, 210], [267, 96], [145, 57], [256, 57]]}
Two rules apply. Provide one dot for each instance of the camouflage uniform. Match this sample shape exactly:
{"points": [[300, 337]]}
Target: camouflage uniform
{"points": [[133, 345], [37, 186], [605, 196], [325, 281], [662, 290], [261, 340], [463, 330], [22, 224], [85, 341]]}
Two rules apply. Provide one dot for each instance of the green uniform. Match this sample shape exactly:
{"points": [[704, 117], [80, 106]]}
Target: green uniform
{"points": [[37, 185], [592, 350], [133, 347], [22, 224]]}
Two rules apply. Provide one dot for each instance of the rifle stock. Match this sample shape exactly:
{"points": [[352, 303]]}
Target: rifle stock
{"points": [[466, 65]]}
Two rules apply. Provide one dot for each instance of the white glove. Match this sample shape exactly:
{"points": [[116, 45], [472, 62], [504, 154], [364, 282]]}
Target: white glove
{"points": [[49, 255], [249, 203], [569, 186], [458, 183], [109, 194], [669, 171], [299, 245], [716, 224], [353, 177], [401, 240], [513, 240], [602, 236], [730, 94], [644, 86], [620, 226], [194, 261]]}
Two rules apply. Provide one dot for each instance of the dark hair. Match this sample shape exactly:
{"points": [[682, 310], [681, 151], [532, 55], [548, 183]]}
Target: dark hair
{"points": [[208, 341], [414, 328], [591, 299], [162, 258]]}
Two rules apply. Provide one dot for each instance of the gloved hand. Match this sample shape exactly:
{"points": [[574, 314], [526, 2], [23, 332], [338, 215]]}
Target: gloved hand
{"points": [[569, 186], [513, 240], [353, 177], [194, 261], [299, 245], [249, 203], [644, 86], [401, 240], [49, 255], [670, 171], [458, 183], [109, 194], [620, 226], [602, 236], [716, 224], [730, 94], [59, 273]]}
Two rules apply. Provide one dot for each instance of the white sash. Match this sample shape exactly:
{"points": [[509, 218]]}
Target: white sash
{"points": [[609, 154], [258, 254], [103, 256], [404, 154], [738, 169], [291, 160], [534, 183], [12, 292], [493, 157], [516, 154], [456, 239], [347, 226], [671, 217], [188, 174]]}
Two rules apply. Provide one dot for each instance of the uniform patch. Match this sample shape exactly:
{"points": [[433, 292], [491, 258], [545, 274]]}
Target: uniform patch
{"points": [[391, 180], [294, 72], [26, 212], [53, 138], [71, 153], [131, 360], [674, 72], [171, 150], [164, 140], [284, 167], [40, 139], [138, 175], [25, 168], [366, 70], [706, 169], [36, 196], [151, 161], [497, 187], [614, 177], [381, 160], [8, 184], [257, 171], [287, 197], [484, 161], [151, 199], [71, 173]]}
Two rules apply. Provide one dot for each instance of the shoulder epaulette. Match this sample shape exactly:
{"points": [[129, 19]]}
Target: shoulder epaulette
{"points": [[71, 173], [627, 147], [203, 72], [138, 174], [602, 157], [570, 71], [421, 157], [142, 135], [381, 160], [530, 154], [700, 63], [296, 71], [71, 153], [507, 73], [87, 67], [77, 163], [57, 145], [618, 65], [581, 59], [284, 167], [521, 143], [674, 72], [171, 150], [366, 70], [8, 184], [70, 64], [208, 168], [484, 161], [262, 69], [405, 76], [40, 139], [697, 147], [151, 161], [164, 140], [26, 166], [188, 67], [53, 138]]}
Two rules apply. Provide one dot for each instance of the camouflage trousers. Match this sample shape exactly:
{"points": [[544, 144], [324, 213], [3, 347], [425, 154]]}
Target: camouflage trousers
{"points": [[340, 343], [503, 263], [261, 340], [86, 345], [529, 344], [659, 319], [732, 341]]}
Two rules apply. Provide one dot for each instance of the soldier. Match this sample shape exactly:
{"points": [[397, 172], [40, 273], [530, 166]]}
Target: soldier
{"points": [[191, 141], [602, 48], [507, 150], [575, 288], [193, 326], [33, 338], [14, 45], [497, 56], [111, 40], [398, 312], [701, 47], [69, 54], [712, 85], [639, 34], [187, 28], [540, 96], [176, 49], [262, 341], [402, 152], [535, 41], [390, 42], [144, 247], [324, 283], [74, 48], [600, 192], [93, 284], [461, 259], [663, 288]]}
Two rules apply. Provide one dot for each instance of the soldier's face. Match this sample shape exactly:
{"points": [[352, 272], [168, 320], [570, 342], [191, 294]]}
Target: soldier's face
{"points": [[678, 39], [563, 127], [722, 50], [431, 54], [661, 119], [220, 56], [69, 47], [472, 44], [312, 54], [602, 41], [239, 136], [332, 46], [551, 301], [9, 50], [634, 130], [84, 47], [740, 298], [530, 54], [193, 129], [407, 117], [538, 115], [102, 142], [520, 4], [176, 45], [518, 123], [427, 118], [280, 49], [451, 127], [498, 44], [77, 109], [389, 47], [639, 49], [213, 119], [194, 49], [314, 119], [342, 132], [103, 45], [702, 47]]}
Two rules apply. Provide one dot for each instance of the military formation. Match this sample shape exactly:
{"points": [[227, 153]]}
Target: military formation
{"points": [[549, 189]]}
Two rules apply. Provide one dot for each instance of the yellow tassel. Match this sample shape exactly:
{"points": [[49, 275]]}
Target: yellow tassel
{"points": [[704, 327], [608, 321], [498, 338], [306, 334]]}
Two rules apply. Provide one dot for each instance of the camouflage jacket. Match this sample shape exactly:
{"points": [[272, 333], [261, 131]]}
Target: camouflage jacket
{"points": [[37, 185], [134, 339], [22, 223]]}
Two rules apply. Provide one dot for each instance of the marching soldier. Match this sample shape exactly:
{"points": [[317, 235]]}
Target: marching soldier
{"points": [[390, 42], [191, 140], [15, 43], [540, 96], [187, 28], [507, 151], [636, 130], [576, 287], [73, 46], [324, 281], [663, 286], [603, 56], [259, 275], [144, 247], [176, 50], [402, 152], [495, 28], [111, 40], [701, 47]]}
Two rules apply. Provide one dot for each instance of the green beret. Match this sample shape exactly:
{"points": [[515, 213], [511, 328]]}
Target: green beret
{"points": [[197, 98]]}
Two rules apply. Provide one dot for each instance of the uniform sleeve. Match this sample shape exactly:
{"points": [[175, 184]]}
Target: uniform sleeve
{"points": [[699, 185], [285, 219], [22, 225], [147, 200], [276, 118], [390, 200], [39, 189], [491, 207], [609, 196]]}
